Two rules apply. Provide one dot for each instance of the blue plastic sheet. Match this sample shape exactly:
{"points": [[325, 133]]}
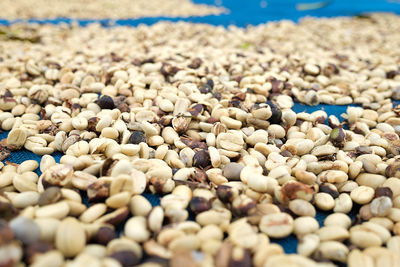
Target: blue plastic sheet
{"points": [[242, 13]]}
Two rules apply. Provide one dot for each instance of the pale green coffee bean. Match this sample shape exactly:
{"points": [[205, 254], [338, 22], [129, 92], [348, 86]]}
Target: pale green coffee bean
{"points": [[277, 225], [27, 166], [339, 219], [17, 137], [70, 237], [135, 229], [332, 233], [362, 194], [305, 225]]}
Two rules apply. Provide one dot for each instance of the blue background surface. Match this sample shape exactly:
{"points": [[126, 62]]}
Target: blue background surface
{"points": [[243, 13]]}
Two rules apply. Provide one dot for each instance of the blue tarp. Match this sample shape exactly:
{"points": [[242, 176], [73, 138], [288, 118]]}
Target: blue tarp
{"points": [[243, 13]]}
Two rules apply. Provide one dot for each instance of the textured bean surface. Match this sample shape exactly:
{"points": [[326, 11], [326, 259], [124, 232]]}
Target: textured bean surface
{"points": [[101, 9], [204, 119]]}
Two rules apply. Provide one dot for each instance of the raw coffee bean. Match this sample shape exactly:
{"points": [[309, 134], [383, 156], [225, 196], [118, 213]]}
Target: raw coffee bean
{"points": [[136, 229], [364, 239], [25, 229], [277, 225], [338, 219], [137, 137], [49, 196], [357, 258], [343, 203], [235, 154], [155, 219], [362, 194], [25, 199], [16, 138], [139, 206], [232, 171], [381, 206], [329, 233], [365, 212], [70, 237], [305, 225], [307, 244], [106, 102], [301, 207], [312, 69], [324, 201], [333, 250]]}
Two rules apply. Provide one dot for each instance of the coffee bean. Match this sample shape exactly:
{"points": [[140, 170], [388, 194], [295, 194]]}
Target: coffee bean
{"points": [[137, 137], [106, 102], [201, 159]]}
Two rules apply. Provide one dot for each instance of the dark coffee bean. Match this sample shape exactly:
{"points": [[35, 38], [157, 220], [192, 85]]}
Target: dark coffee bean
{"points": [[286, 153], [243, 206], [98, 191], [218, 96], [243, 260], [330, 70], [49, 196], [196, 63], [391, 74], [125, 257], [35, 249], [337, 137], [383, 192], [276, 113], [201, 159], [7, 211], [360, 150], [104, 235], [92, 123], [329, 189], [199, 204], [119, 216], [393, 170], [6, 233], [210, 83], [285, 208], [106, 102], [137, 137], [205, 89], [76, 106], [226, 193]]}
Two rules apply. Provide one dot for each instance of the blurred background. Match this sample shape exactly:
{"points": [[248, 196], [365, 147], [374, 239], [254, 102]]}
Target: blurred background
{"points": [[216, 12]]}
